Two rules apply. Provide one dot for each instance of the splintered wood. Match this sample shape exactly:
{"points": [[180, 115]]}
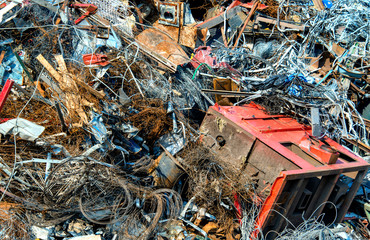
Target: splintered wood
{"points": [[73, 100]]}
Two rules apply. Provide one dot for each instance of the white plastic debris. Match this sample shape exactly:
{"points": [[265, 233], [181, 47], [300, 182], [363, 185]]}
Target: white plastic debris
{"points": [[23, 128], [41, 233]]}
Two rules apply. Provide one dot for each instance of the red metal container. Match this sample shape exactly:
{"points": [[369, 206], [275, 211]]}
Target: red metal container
{"points": [[300, 172]]}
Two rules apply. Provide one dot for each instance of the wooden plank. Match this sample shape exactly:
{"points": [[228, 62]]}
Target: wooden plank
{"points": [[318, 4], [2, 56], [67, 81], [74, 100], [61, 63], [281, 23], [96, 93], [50, 68]]}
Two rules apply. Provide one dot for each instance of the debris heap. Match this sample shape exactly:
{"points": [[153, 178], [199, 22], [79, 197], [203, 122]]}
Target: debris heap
{"points": [[151, 119]]}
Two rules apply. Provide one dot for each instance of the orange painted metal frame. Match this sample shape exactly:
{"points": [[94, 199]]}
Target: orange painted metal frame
{"points": [[273, 130]]}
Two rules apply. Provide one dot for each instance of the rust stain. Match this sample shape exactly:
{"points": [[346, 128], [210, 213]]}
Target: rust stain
{"points": [[163, 45]]}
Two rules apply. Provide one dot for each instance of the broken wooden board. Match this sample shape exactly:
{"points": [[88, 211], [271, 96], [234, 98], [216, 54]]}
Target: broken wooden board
{"points": [[73, 100], [282, 24], [96, 93], [50, 68]]}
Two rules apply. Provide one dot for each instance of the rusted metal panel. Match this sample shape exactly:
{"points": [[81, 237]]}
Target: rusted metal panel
{"points": [[224, 84], [184, 34], [162, 45], [219, 131], [268, 164]]}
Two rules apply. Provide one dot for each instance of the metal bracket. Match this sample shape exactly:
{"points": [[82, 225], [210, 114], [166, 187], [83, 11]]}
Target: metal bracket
{"points": [[169, 13]]}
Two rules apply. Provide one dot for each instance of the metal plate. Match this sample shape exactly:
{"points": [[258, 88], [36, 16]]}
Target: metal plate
{"points": [[169, 13]]}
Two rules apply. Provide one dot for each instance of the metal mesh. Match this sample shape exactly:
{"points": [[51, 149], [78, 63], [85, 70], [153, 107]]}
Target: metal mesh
{"points": [[113, 10], [116, 12]]}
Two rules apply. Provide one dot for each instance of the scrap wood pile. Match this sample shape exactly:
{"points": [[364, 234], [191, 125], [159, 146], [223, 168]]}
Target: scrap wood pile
{"points": [[102, 102]]}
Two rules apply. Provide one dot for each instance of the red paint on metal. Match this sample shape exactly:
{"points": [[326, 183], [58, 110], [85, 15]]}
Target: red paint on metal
{"points": [[203, 55], [2, 120], [90, 10], [324, 152], [278, 132], [5, 92], [268, 205], [232, 5], [275, 129], [95, 59], [238, 208]]}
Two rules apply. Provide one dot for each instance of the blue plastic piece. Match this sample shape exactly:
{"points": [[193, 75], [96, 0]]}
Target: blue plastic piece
{"points": [[327, 3], [294, 89]]}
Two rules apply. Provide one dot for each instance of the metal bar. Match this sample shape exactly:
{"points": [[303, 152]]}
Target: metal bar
{"points": [[214, 21], [325, 170], [167, 64], [367, 121], [281, 23], [350, 195], [225, 92], [5, 92], [22, 64], [321, 195], [358, 144], [249, 154], [39, 160], [324, 78], [253, 10], [291, 203], [61, 118], [269, 204]]}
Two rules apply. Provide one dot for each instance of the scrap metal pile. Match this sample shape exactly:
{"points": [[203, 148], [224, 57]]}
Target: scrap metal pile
{"points": [[107, 108]]}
